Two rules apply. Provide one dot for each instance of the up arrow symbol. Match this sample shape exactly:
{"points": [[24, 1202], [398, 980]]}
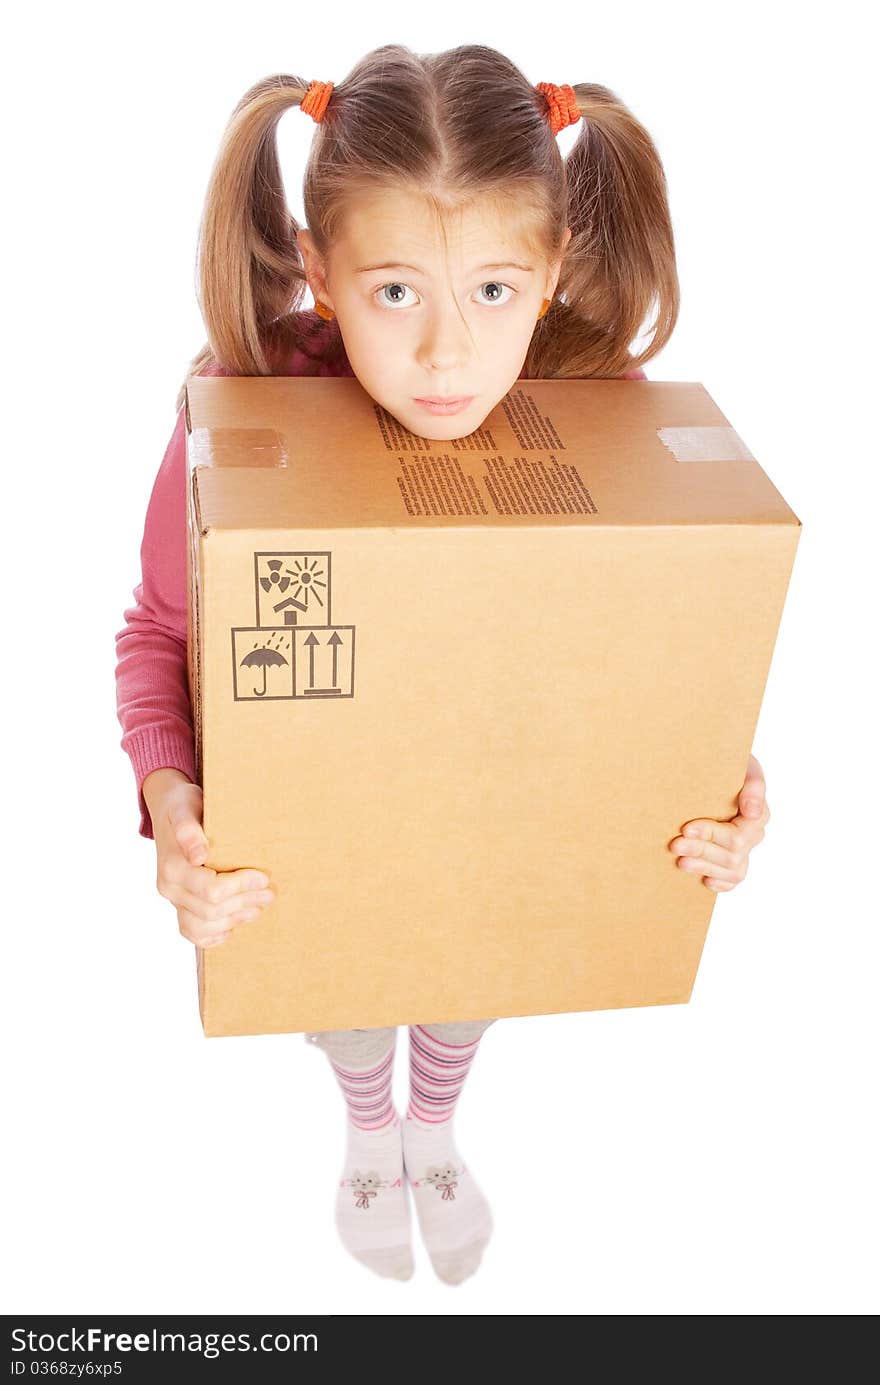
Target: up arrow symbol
{"points": [[311, 641], [336, 640]]}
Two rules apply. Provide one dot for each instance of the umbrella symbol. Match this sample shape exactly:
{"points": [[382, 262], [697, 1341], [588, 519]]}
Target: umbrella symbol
{"points": [[262, 658]]}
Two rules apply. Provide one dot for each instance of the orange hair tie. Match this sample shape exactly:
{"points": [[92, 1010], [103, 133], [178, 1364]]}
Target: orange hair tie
{"points": [[314, 103], [563, 106]]}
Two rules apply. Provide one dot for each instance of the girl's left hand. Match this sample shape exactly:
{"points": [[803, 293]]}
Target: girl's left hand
{"points": [[723, 847]]}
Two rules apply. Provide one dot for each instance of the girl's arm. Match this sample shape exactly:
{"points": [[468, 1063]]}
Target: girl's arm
{"points": [[152, 688]]}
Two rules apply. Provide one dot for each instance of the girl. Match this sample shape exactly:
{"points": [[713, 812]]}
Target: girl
{"points": [[441, 220]]}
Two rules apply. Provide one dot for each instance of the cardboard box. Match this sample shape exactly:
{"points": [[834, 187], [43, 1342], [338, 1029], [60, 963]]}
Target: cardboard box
{"points": [[457, 698]]}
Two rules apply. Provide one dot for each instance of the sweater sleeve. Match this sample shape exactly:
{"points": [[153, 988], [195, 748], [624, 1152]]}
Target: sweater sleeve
{"points": [[152, 688]]}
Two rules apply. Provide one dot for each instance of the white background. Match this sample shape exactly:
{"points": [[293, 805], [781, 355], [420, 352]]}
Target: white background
{"points": [[714, 1158]]}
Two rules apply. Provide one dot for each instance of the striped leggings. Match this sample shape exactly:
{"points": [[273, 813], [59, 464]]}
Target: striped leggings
{"points": [[360, 1047]]}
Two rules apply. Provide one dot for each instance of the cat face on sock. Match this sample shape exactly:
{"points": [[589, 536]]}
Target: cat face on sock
{"points": [[440, 1174], [366, 1182]]}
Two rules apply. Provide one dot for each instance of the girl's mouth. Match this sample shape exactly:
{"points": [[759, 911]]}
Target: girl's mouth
{"points": [[445, 406]]}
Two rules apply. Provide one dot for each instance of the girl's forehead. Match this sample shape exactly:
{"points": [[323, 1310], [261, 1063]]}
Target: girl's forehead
{"points": [[408, 228]]}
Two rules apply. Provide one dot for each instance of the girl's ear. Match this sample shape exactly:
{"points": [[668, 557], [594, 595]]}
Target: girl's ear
{"points": [[313, 266], [553, 276]]}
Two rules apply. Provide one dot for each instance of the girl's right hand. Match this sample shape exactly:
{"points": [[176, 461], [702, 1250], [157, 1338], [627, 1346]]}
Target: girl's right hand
{"points": [[209, 903]]}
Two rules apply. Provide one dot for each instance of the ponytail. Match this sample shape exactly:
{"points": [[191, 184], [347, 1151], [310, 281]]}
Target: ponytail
{"points": [[250, 275], [620, 263]]}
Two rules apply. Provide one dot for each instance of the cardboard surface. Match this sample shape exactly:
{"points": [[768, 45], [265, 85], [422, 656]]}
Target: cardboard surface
{"points": [[454, 699]]}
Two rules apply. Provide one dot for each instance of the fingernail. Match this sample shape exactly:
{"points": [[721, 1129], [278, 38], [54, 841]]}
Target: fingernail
{"points": [[692, 831]]}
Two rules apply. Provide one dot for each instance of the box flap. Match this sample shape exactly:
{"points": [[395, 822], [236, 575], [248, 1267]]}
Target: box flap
{"points": [[313, 452]]}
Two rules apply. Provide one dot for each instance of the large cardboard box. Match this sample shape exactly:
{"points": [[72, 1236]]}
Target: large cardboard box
{"points": [[457, 698]]}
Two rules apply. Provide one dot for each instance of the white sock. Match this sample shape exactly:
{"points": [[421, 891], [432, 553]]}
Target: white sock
{"points": [[454, 1217], [372, 1206]]}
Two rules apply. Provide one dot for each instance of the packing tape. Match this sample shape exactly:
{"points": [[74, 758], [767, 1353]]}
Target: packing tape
{"points": [[705, 444], [257, 447]]}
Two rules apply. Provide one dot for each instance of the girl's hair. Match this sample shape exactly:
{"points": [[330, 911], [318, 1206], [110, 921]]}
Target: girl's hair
{"points": [[457, 127]]}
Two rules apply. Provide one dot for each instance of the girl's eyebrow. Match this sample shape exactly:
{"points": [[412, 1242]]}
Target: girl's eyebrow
{"points": [[508, 264]]}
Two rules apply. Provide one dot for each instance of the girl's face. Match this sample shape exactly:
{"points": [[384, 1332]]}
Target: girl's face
{"points": [[431, 309]]}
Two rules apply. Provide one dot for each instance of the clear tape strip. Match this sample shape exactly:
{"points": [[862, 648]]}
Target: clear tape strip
{"points": [[705, 444], [253, 447]]}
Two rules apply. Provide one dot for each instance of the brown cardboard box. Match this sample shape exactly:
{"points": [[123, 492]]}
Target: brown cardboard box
{"points": [[457, 698]]}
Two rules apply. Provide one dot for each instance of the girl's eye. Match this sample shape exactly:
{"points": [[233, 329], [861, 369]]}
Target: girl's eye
{"points": [[496, 287], [397, 290], [393, 295]]}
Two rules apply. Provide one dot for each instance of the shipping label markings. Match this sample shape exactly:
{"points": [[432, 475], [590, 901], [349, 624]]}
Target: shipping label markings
{"points": [[438, 486], [531, 428], [434, 483], [538, 487], [529, 486], [295, 650]]}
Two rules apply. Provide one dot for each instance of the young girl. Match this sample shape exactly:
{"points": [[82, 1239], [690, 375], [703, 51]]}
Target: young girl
{"points": [[441, 220]]}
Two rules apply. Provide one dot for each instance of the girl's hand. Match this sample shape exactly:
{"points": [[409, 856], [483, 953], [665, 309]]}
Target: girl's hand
{"points": [[209, 903], [719, 851]]}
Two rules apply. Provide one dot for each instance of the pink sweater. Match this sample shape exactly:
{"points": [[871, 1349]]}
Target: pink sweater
{"points": [[152, 691]]}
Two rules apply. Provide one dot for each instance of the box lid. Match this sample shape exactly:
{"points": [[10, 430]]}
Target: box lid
{"points": [[319, 452]]}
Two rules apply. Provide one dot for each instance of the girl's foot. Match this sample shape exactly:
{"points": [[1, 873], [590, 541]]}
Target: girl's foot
{"points": [[372, 1206], [454, 1216]]}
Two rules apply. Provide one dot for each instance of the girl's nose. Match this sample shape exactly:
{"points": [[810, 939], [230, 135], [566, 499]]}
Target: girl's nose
{"points": [[446, 343]]}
